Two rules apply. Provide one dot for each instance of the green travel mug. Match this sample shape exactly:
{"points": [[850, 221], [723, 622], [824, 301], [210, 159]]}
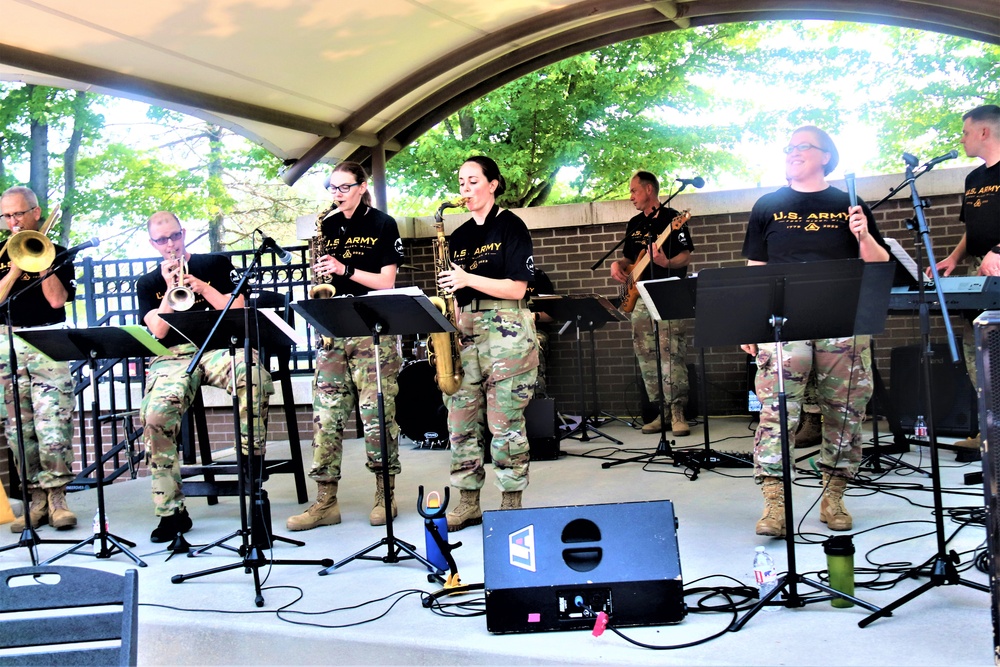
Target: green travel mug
{"points": [[840, 563]]}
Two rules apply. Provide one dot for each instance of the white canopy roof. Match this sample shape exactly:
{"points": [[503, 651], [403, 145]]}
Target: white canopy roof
{"points": [[313, 80]]}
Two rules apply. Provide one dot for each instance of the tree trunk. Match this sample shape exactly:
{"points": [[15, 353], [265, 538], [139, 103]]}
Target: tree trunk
{"points": [[215, 226], [38, 178], [69, 166]]}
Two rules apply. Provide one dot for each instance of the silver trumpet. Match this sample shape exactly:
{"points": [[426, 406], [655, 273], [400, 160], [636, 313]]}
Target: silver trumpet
{"points": [[179, 296]]}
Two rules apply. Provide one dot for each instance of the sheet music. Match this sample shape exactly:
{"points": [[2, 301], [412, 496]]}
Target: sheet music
{"points": [[279, 323], [904, 259], [649, 301]]}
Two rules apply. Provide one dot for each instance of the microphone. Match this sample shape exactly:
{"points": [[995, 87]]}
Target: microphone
{"points": [[697, 181], [283, 255], [951, 155], [77, 249], [852, 193]]}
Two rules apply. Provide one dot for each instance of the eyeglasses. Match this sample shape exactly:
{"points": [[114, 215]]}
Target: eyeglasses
{"points": [[175, 237], [19, 215], [345, 188], [802, 148]]}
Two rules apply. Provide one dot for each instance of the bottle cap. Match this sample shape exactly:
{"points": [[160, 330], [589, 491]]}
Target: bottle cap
{"points": [[759, 549], [839, 545]]}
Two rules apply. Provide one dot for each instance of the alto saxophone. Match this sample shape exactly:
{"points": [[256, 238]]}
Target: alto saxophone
{"points": [[320, 287], [443, 348]]}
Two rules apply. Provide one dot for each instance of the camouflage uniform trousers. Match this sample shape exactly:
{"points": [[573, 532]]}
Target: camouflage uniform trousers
{"points": [[45, 390], [170, 392], [843, 386], [500, 361], [346, 368], [673, 353]]}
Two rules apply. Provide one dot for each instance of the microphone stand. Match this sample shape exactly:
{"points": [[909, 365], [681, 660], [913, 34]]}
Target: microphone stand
{"points": [[251, 550], [943, 571], [29, 538]]}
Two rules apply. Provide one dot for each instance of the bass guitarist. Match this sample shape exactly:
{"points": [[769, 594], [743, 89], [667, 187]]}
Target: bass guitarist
{"points": [[670, 258]]}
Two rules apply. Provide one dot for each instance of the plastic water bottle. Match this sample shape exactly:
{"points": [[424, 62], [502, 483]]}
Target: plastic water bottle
{"points": [[767, 579], [920, 429]]}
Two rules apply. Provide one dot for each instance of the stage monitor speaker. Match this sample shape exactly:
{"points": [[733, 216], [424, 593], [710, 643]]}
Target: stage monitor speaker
{"points": [[953, 397], [619, 558], [987, 328]]}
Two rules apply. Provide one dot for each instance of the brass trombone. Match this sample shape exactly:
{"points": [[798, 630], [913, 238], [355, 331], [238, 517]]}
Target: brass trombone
{"points": [[29, 251]]}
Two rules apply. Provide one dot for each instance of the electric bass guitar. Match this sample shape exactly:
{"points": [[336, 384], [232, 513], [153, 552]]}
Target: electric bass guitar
{"points": [[629, 290]]}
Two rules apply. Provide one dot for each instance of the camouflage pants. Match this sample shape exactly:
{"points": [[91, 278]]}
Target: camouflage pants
{"points": [[346, 368], [500, 360], [673, 351], [45, 390], [170, 391], [843, 386]]}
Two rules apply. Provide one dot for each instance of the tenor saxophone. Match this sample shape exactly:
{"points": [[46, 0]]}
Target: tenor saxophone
{"points": [[443, 348]]}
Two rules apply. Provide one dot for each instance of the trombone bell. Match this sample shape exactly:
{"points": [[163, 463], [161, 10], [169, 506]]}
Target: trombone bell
{"points": [[31, 251]]}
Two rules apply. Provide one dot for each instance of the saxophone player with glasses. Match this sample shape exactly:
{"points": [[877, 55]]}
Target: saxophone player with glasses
{"points": [[357, 249], [491, 265], [45, 387], [197, 282]]}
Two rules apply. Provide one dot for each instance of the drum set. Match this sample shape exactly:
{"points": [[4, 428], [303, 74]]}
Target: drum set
{"points": [[420, 411]]}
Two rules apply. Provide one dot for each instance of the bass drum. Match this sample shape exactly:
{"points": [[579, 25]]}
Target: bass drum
{"points": [[420, 411]]}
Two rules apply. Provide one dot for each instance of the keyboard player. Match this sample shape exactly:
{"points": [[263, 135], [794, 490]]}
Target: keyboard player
{"points": [[981, 215]]}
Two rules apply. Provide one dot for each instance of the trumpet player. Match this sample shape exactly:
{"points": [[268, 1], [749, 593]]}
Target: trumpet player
{"points": [[45, 387], [209, 281], [358, 251], [491, 265]]}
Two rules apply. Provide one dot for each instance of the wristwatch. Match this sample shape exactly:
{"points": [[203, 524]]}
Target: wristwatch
{"points": [[995, 249], [348, 271]]}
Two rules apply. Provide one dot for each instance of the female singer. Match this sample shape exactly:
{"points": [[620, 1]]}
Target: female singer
{"points": [[362, 249], [809, 220], [491, 265]]}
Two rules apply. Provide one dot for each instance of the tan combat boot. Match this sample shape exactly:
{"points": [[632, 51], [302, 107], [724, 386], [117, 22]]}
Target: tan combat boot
{"points": [[679, 423], [974, 442], [324, 512], [653, 426], [831, 509], [38, 511], [377, 516], [511, 500], [810, 430], [772, 523], [467, 513], [60, 515]]}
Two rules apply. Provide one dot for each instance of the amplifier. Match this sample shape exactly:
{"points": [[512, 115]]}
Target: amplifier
{"points": [[618, 558]]}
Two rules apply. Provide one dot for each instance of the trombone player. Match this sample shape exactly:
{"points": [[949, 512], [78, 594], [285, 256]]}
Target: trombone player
{"points": [[183, 281], [45, 387]]}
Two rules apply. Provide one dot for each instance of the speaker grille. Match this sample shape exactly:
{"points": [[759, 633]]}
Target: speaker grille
{"points": [[987, 327]]}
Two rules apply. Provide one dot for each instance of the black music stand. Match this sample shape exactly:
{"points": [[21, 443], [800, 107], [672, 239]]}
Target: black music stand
{"points": [[675, 299], [391, 313], [787, 302], [584, 312], [92, 345], [224, 329]]}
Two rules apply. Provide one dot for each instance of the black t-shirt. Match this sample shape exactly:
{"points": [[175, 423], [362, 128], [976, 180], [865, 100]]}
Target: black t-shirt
{"points": [[981, 209], [540, 284], [642, 229], [499, 248], [367, 241], [791, 226], [32, 309], [216, 270]]}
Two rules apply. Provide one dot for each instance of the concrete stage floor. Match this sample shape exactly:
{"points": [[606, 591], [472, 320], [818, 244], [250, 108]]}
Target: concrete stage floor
{"points": [[212, 620]]}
